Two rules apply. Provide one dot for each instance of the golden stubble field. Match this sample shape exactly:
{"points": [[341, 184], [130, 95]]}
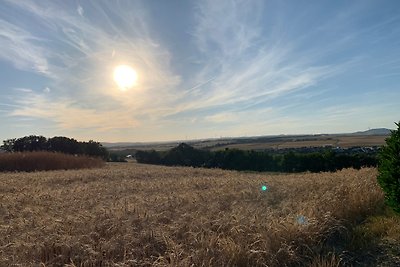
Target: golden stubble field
{"points": [[143, 215]]}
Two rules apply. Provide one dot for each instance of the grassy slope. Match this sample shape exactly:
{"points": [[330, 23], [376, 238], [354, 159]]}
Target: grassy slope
{"points": [[143, 215], [376, 241]]}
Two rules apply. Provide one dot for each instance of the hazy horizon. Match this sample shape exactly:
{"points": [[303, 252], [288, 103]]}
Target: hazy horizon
{"points": [[205, 69], [243, 136]]}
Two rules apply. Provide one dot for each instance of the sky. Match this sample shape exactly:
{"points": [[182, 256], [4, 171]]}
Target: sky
{"points": [[206, 69]]}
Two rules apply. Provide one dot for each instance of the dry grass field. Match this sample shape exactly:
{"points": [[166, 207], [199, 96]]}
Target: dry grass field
{"points": [[142, 215], [45, 161]]}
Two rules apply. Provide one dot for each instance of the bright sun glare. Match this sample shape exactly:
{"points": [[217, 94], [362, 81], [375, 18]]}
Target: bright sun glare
{"points": [[125, 77]]}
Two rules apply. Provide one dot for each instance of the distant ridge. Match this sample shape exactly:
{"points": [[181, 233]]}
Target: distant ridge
{"points": [[124, 144], [117, 144], [377, 131], [231, 140]]}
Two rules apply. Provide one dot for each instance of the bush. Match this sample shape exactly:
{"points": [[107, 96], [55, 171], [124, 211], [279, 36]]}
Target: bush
{"points": [[44, 161], [241, 160], [114, 157], [389, 169], [56, 144]]}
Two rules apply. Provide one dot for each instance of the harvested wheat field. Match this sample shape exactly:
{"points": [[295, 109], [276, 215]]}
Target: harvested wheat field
{"points": [[143, 215]]}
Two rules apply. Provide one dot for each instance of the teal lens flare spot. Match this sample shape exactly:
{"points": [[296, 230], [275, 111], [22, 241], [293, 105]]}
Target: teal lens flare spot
{"points": [[264, 188]]}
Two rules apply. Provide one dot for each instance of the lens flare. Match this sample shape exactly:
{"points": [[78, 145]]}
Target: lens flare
{"points": [[302, 220], [264, 188]]}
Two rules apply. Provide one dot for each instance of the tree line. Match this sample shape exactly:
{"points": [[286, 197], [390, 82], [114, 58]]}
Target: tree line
{"points": [[235, 159], [55, 144]]}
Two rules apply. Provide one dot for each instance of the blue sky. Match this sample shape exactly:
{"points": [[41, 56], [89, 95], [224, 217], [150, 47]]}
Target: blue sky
{"points": [[205, 68]]}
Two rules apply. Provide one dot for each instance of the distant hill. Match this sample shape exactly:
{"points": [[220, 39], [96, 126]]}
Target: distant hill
{"points": [[372, 137], [119, 144], [377, 131]]}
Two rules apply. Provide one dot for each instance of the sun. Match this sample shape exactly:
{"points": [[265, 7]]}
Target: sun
{"points": [[125, 77]]}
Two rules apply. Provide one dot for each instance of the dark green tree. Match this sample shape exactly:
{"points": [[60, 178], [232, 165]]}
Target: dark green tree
{"points": [[184, 155], [149, 157], [63, 144], [389, 169], [8, 145], [30, 143], [290, 162], [94, 149]]}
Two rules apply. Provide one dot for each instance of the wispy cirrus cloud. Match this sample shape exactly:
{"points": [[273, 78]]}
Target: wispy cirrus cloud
{"points": [[18, 49], [79, 63], [227, 29], [69, 115], [260, 80], [80, 10], [242, 66]]}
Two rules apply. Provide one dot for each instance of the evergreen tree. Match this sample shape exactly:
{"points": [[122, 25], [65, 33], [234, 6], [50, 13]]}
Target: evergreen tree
{"points": [[389, 169]]}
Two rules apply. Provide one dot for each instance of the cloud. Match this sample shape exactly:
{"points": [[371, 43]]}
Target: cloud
{"points": [[221, 117], [241, 65], [23, 90], [245, 65], [10, 105], [80, 10], [67, 115], [80, 58], [228, 28], [235, 73], [18, 47]]}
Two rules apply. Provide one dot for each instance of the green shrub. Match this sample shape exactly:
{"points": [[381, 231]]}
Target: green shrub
{"points": [[389, 169]]}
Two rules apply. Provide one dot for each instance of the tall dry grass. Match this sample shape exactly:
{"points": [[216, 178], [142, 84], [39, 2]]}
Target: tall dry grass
{"points": [[44, 161], [143, 215]]}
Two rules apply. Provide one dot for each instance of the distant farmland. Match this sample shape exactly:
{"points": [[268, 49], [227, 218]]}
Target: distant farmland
{"points": [[143, 215], [321, 141], [267, 142]]}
